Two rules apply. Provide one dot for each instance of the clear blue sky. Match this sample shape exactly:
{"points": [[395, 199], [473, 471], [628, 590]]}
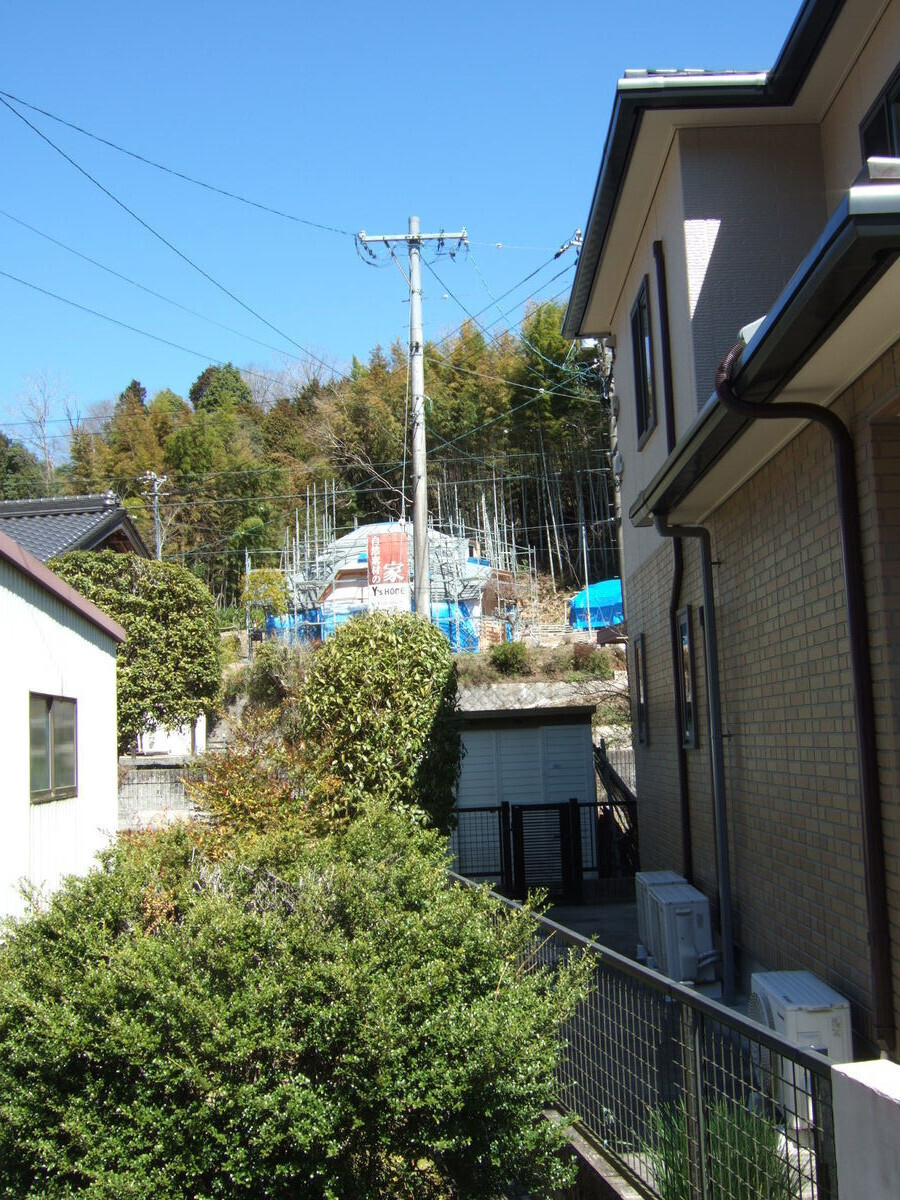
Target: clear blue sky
{"points": [[354, 116]]}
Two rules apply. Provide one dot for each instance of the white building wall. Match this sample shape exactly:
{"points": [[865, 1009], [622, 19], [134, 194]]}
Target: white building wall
{"points": [[533, 765], [51, 649]]}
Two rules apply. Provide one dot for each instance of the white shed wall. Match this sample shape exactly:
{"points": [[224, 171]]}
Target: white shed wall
{"points": [[53, 650], [535, 765]]}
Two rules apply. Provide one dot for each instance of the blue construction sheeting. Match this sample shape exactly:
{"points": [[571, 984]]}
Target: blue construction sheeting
{"points": [[455, 623], [605, 599]]}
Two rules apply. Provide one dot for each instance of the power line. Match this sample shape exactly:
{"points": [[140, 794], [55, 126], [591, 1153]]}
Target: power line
{"points": [[171, 170], [132, 329], [140, 286], [155, 233]]}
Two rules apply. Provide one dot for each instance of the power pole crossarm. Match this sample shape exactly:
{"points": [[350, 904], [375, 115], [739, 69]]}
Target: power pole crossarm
{"points": [[414, 239]]}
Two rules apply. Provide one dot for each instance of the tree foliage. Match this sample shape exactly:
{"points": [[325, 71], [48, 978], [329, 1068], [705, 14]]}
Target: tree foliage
{"points": [[167, 671], [320, 1019], [264, 593], [378, 716], [21, 475], [517, 427]]}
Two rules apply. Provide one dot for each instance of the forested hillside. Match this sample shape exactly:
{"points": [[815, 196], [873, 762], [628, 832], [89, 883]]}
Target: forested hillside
{"points": [[517, 433]]}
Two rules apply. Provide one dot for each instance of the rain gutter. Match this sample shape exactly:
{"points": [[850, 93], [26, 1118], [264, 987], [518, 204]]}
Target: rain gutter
{"points": [[863, 698]]}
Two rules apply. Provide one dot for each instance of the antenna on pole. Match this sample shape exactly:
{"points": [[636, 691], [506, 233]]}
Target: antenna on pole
{"points": [[414, 240]]}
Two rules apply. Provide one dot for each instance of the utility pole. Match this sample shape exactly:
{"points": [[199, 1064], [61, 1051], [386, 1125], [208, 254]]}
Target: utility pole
{"points": [[156, 480], [414, 240]]}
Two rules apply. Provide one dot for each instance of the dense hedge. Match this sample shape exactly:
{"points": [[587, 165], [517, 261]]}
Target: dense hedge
{"points": [[168, 669], [321, 1019], [377, 711]]}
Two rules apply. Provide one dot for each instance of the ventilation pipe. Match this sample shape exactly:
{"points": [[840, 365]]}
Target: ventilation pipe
{"points": [[863, 702]]}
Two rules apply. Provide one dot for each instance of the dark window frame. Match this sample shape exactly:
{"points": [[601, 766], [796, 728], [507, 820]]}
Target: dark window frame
{"points": [[687, 691], [886, 113], [642, 352], [641, 720], [60, 712]]}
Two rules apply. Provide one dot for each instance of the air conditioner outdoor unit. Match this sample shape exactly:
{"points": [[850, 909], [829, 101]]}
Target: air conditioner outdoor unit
{"points": [[805, 1010], [680, 932], [644, 881]]}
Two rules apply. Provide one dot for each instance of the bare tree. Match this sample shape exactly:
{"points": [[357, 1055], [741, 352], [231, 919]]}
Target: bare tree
{"points": [[41, 404]]}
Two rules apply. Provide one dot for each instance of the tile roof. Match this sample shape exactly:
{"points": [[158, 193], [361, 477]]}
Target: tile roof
{"points": [[17, 557], [53, 525]]}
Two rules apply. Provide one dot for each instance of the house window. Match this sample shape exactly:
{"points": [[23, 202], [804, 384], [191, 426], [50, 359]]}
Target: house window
{"points": [[52, 743], [642, 728], [686, 696], [879, 133], [642, 347]]}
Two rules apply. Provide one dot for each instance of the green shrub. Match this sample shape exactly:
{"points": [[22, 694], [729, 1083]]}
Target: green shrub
{"points": [[377, 715], [589, 659], [167, 671], [746, 1158], [318, 1020], [510, 658]]}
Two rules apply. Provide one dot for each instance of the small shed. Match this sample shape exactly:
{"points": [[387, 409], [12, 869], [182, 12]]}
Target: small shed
{"points": [[527, 800]]}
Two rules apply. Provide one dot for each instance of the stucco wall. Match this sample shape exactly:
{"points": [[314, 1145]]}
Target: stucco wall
{"points": [[52, 650], [870, 72]]}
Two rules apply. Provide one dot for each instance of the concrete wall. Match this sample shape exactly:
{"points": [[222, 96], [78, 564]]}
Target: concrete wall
{"points": [[152, 792], [52, 650], [866, 1099]]}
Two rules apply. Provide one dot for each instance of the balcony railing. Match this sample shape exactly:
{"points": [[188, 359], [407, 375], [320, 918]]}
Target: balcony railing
{"points": [[689, 1099]]}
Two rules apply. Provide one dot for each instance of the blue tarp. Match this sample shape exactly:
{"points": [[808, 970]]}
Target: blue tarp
{"points": [[605, 600]]}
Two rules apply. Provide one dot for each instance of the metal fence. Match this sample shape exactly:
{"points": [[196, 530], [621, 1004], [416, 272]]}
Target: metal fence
{"points": [[574, 851], [689, 1099]]}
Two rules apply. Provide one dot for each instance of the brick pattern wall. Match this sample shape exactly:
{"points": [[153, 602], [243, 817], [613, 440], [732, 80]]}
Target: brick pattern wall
{"points": [[790, 750]]}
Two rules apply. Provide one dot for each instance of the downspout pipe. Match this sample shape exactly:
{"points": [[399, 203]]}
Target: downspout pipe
{"points": [[717, 756], [863, 698], [665, 339]]}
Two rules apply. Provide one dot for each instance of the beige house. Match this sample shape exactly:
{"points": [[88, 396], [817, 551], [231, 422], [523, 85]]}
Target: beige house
{"points": [[761, 522]]}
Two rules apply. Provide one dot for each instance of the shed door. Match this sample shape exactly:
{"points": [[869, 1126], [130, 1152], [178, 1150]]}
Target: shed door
{"points": [[521, 778], [568, 764]]}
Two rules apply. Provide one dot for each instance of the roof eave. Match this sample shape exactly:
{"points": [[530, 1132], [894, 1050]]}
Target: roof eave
{"points": [[635, 96]]}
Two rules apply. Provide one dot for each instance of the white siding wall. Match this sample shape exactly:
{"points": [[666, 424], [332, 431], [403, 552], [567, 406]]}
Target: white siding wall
{"points": [[52, 650], [535, 765]]}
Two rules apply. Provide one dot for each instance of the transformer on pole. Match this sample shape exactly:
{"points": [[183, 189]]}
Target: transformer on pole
{"points": [[414, 240]]}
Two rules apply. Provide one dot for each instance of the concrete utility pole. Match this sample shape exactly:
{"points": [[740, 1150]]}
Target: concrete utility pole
{"points": [[414, 240], [156, 480]]}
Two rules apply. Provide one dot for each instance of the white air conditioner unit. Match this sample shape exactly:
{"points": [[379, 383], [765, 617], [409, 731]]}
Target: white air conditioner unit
{"points": [[681, 932], [644, 881], [806, 1011]]}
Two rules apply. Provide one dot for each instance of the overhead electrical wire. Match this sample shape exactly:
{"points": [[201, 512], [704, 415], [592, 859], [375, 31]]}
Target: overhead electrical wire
{"points": [[140, 286], [93, 312], [160, 237], [171, 170]]}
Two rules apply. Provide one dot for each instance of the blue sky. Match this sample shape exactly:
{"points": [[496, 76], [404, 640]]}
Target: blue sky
{"points": [[353, 116]]}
